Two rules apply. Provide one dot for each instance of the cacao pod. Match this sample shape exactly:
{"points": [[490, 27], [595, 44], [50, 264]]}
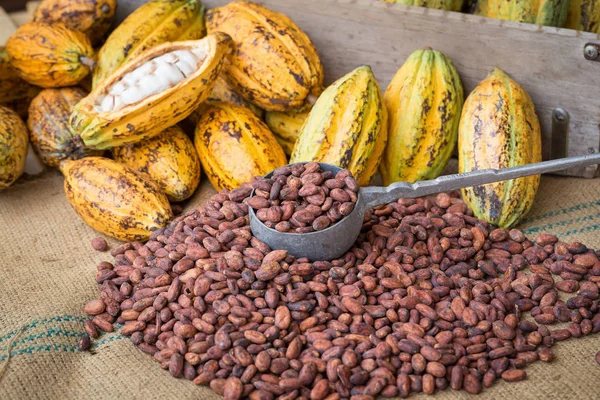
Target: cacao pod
{"points": [[274, 65], [286, 127], [149, 25], [234, 146], [169, 160], [92, 17], [13, 147], [224, 93], [347, 126], [15, 93], [424, 101], [584, 15], [48, 125], [113, 199], [148, 113], [50, 55], [448, 5], [540, 12], [499, 129]]}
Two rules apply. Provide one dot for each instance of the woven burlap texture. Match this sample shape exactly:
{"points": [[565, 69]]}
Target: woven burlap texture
{"points": [[47, 271]]}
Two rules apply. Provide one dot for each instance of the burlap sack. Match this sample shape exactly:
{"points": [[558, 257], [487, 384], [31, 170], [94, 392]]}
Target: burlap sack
{"points": [[47, 271]]}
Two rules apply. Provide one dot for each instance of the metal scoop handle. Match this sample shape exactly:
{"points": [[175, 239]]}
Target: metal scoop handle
{"points": [[376, 196]]}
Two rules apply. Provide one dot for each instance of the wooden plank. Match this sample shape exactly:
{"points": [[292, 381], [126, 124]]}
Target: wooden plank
{"points": [[7, 27]]}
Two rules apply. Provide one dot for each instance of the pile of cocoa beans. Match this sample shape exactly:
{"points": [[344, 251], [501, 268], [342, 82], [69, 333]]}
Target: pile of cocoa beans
{"points": [[301, 198], [429, 298]]}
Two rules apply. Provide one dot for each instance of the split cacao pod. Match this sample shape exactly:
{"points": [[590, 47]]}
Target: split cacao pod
{"points": [[234, 146], [15, 93], [347, 126], [169, 160], [152, 114], [448, 5], [50, 55], [113, 199], [151, 24], [13, 147], [286, 127], [584, 15], [424, 101], [540, 12], [499, 129], [274, 65], [92, 17], [48, 125]]}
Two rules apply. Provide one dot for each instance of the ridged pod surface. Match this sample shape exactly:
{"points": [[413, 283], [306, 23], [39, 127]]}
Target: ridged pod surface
{"points": [[13, 147], [224, 93], [48, 125], [424, 101], [113, 199], [169, 160], [151, 115], [50, 55], [15, 93], [92, 17], [584, 15], [286, 127], [499, 129], [234, 146], [274, 65], [149, 25], [448, 5], [541, 12], [347, 126]]}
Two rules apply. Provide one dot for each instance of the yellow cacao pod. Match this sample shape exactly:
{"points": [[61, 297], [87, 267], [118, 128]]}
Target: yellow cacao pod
{"points": [[13, 147], [499, 129], [424, 101], [584, 15], [151, 24], [50, 55], [224, 93], [347, 126], [113, 199], [48, 125], [286, 127], [15, 93], [540, 12], [92, 17], [152, 114], [274, 65], [234, 146], [169, 160], [448, 5]]}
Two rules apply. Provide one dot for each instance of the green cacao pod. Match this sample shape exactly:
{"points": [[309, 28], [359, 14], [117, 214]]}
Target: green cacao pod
{"points": [[424, 101], [584, 15], [448, 5], [347, 126], [541, 12], [499, 129]]}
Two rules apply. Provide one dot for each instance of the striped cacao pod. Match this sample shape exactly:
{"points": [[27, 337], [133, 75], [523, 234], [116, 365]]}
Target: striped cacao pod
{"points": [[286, 127], [424, 101], [149, 25], [13, 147], [48, 125], [50, 55], [15, 93], [499, 129], [540, 12], [448, 5], [169, 160], [91, 17], [584, 15], [347, 126], [235, 146], [144, 114], [113, 199], [274, 65]]}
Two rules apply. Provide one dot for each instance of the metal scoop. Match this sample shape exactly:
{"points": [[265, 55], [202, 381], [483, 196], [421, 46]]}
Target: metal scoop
{"points": [[333, 242]]}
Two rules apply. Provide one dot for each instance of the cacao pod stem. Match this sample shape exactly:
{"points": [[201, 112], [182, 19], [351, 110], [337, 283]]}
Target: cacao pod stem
{"points": [[87, 62]]}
